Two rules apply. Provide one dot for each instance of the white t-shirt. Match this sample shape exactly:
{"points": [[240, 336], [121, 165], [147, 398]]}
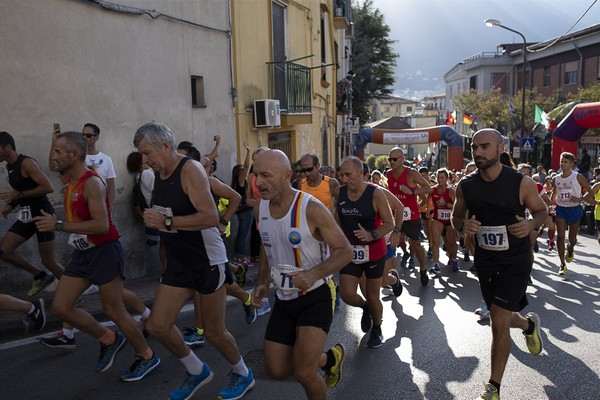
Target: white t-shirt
{"points": [[102, 164], [147, 184]]}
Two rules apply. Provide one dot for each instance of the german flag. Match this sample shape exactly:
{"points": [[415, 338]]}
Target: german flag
{"points": [[467, 119]]}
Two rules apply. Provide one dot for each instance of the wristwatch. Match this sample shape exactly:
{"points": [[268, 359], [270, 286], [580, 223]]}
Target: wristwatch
{"points": [[168, 223], [224, 221], [59, 225], [396, 230], [374, 234]]}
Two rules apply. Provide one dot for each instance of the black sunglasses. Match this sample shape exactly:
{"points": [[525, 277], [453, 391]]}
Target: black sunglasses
{"points": [[307, 170], [393, 158], [88, 135]]}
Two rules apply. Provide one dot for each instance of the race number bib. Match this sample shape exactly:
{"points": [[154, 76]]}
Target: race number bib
{"points": [[80, 242], [493, 238], [565, 196], [406, 214], [281, 279], [360, 254], [24, 214], [443, 214]]}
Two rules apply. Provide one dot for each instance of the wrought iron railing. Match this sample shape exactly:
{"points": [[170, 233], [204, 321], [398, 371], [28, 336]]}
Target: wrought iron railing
{"points": [[290, 83]]}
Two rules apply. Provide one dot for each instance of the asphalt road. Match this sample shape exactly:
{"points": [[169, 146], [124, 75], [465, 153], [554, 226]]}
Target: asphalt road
{"points": [[435, 347]]}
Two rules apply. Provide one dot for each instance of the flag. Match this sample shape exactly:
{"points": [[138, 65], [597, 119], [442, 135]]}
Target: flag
{"points": [[450, 119], [541, 117], [467, 119], [511, 109], [428, 150]]}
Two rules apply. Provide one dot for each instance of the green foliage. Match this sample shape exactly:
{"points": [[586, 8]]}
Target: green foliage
{"points": [[371, 161], [381, 163], [587, 95], [373, 59]]}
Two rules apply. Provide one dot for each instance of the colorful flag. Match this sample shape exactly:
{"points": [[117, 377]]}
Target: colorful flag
{"points": [[541, 117], [511, 109], [467, 119], [450, 119]]}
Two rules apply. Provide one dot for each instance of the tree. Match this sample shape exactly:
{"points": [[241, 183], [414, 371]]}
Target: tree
{"points": [[373, 59]]}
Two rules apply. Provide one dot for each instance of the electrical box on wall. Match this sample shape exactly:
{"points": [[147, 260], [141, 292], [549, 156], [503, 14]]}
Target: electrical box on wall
{"points": [[267, 113]]}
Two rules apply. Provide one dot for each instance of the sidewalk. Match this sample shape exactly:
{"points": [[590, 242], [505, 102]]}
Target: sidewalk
{"points": [[14, 326]]}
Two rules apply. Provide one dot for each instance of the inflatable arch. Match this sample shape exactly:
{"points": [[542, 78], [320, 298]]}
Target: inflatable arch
{"points": [[416, 136], [566, 135]]}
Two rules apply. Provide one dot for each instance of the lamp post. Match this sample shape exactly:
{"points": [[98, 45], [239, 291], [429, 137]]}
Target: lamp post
{"points": [[494, 22]]}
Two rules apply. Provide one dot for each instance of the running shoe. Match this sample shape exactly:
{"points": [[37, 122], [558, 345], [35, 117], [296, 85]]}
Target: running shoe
{"points": [[337, 296], [240, 275], [237, 387], [435, 269], [454, 265], [424, 278], [467, 258], [59, 341], [490, 393], [411, 263], [251, 313], [333, 375], [140, 368], [396, 287], [40, 284], [108, 353], [192, 337], [191, 384], [265, 309], [404, 259], [91, 290], [38, 316], [563, 269], [550, 244], [570, 251], [376, 338], [366, 322], [482, 310], [534, 341], [429, 253]]}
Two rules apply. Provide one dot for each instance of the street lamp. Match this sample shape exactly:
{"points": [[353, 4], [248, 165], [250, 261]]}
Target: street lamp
{"points": [[494, 22]]}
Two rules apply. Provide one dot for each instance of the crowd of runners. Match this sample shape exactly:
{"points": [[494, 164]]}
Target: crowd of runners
{"points": [[316, 235]]}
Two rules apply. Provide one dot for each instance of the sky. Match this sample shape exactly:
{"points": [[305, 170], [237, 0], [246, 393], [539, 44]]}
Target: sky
{"points": [[432, 36]]}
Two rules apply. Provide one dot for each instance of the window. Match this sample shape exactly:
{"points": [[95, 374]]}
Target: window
{"points": [[408, 109], [198, 100], [571, 73], [547, 76], [473, 82], [281, 141]]}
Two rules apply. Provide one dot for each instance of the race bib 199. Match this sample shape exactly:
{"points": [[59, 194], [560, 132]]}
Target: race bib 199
{"points": [[493, 238], [443, 214], [80, 242], [360, 254], [24, 214], [281, 279]]}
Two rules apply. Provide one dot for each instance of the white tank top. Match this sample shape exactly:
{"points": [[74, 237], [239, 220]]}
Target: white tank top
{"points": [[289, 241], [567, 188]]}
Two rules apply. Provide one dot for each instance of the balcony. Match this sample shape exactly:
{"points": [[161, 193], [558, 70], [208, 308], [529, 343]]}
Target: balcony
{"points": [[342, 14], [290, 83]]}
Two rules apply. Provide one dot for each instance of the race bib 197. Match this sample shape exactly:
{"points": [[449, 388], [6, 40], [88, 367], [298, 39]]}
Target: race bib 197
{"points": [[281, 279], [493, 238], [360, 254]]}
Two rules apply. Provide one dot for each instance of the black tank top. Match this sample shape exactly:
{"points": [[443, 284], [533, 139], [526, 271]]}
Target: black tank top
{"points": [[496, 204], [186, 250], [19, 183]]}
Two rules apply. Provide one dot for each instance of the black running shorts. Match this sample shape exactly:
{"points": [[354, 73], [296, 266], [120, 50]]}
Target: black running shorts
{"points": [[205, 280], [504, 285], [371, 269], [99, 264]]}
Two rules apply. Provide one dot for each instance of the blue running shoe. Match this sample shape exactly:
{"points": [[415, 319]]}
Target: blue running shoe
{"points": [[192, 337], [191, 384], [435, 269], [140, 368], [108, 353], [237, 387], [250, 312], [454, 265], [265, 309]]}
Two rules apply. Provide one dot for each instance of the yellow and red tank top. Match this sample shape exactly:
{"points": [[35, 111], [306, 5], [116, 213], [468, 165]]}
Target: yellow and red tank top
{"points": [[76, 209]]}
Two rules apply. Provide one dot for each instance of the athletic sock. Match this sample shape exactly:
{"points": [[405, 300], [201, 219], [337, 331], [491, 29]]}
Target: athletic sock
{"points": [[240, 368], [68, 333], [192, 364], [496, 385], [330, 361], [531, 327], [146, 313]]}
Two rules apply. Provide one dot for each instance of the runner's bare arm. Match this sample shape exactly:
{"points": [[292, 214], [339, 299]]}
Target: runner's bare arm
{"points": [[194, 182]]}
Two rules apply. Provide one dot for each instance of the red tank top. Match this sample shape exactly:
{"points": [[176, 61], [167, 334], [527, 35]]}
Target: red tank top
{"points": [[441, 214], [409, 201], [76, 209]]}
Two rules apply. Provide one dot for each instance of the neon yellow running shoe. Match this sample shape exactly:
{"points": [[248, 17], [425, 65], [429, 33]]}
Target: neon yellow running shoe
{"points": [[333, 376], [563, 269], [490, 393], [570, 251], [534, 341], [40, 284]]}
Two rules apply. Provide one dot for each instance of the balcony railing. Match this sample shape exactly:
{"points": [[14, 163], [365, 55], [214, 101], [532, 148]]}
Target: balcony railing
{"points": [[342, 13], [290, 83]]}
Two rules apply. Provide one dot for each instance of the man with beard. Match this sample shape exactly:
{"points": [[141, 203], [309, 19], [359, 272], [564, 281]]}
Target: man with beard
{"points": [[490, 204]]}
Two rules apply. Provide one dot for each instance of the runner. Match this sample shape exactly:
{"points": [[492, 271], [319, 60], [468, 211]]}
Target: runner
{"points": [[568, 198], [406, 184], [490, 204], [27, 194], [321, 186], [295, 228], [365, 218], [196, 261], [97, 259], [442, 198]]}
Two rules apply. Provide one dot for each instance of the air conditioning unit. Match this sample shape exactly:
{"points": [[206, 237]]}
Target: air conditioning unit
{"points": [[267, 113]]}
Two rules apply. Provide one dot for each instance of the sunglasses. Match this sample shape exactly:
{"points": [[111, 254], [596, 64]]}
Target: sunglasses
{"points": [[88, 135], [394, 158], [307, 170]]}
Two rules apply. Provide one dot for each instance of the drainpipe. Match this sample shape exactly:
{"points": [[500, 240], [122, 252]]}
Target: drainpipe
{"points": [[580, 64]]}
